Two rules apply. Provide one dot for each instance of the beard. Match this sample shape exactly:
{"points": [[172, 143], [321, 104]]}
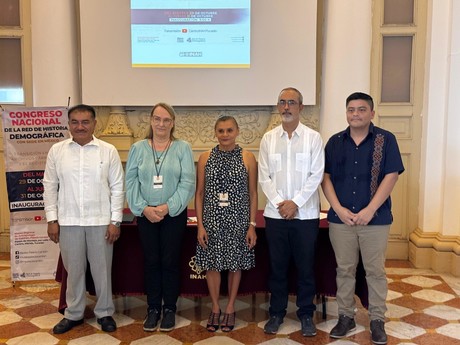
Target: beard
{"points": [[287, 117]]}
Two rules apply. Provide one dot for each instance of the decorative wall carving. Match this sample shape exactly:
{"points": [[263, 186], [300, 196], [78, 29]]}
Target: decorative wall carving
{"points": [[117, 123], [142, 126], [196, 124]]}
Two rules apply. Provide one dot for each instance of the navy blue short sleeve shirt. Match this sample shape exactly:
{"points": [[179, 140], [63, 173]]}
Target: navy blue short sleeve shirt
{"points": [[356, 171]]}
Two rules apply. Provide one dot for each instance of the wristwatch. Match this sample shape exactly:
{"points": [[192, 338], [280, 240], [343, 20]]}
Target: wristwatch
{"points": [[253, 224], [117, 224]]}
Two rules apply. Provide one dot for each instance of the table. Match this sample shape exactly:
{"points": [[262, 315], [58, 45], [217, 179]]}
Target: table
{"points": [[128, 277]]}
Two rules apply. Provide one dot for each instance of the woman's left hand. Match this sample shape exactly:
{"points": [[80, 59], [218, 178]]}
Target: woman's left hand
{"points": [[152, 215], [161, 210], [251, 237], [202, 237]]}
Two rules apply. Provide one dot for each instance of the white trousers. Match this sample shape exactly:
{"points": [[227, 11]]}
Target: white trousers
{"points": [[79, 244]]}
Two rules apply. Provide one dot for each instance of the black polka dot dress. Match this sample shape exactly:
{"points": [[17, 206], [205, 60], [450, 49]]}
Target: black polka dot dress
{"points": [[226, 225]]}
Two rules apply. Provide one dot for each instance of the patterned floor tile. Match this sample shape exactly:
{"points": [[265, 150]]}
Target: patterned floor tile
{"points": [[423, 308], [424, 282], [444, 312], [37, 338], [424, 321], [403, 330], [433, 295], [452, 330]]}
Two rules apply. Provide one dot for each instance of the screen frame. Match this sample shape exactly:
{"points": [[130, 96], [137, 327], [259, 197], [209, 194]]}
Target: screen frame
{"points": [[283, 53]]}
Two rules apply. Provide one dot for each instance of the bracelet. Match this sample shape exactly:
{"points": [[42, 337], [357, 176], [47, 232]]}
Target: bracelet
{"points": [[52, 221], [253, 224]]}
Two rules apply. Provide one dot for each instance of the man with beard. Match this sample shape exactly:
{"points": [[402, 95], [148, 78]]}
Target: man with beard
{"points": [[291, 164]]}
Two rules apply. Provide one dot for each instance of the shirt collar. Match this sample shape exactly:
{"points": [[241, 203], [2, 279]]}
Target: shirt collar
{"points": [[297, 132], [94, 142]]}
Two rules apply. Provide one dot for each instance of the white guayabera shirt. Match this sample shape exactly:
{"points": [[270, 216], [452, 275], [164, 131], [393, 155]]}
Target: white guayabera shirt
{"points": [[83, 185], [291, 169]]}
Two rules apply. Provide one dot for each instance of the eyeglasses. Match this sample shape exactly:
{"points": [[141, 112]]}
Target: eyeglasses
{"points": [[290, 103], [158, 120]]}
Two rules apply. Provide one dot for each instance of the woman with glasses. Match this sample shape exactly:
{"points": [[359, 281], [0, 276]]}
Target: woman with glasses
{"points": [[226, 206], [160, 182]]}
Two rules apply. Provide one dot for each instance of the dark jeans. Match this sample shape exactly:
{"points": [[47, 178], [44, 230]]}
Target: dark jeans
{"points": [[294, 239], [162, 246]]}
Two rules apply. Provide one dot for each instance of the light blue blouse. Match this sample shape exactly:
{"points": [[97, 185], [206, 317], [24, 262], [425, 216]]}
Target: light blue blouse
{"points": [[178, 172]]}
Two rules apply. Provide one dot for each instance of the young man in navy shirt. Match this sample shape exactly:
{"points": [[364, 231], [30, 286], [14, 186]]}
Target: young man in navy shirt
{"points": [[362, 166]]}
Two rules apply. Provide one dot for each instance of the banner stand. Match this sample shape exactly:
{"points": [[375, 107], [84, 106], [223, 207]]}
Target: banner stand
{"points": [[28, 134]]}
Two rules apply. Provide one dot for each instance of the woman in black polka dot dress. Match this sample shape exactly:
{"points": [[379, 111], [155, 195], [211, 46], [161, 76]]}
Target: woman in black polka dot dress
{"points": [[226, 206]]}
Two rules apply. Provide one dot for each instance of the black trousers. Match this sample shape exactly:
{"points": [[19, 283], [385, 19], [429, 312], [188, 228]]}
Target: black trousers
{"points": [[291, 239], [162, 246]]}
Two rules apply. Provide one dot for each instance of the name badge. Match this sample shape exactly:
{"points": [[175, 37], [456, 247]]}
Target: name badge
{"points": [[223, 199], [157, 182]]}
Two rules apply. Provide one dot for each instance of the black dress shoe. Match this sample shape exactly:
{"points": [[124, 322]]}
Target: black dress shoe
{"points": [[107, 324], [66, 325]]}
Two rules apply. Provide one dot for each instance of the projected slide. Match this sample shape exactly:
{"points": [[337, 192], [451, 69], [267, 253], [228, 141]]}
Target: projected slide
{"points": [[190, 33]]}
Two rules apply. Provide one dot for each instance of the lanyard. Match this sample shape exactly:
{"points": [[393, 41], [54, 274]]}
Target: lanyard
{"points": [[156, 159]]}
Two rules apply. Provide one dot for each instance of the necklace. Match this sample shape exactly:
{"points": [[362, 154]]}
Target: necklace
{"points": [[156, 157]]}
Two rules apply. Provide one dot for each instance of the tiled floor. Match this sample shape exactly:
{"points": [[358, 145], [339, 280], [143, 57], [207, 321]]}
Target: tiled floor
{"points": [[423, 308]]}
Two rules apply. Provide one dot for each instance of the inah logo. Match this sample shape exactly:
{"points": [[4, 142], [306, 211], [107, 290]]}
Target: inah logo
{"points": [[192, 264]]}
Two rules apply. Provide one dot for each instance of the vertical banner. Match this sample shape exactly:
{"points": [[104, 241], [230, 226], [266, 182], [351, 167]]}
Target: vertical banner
{"points": [[28, 134]]}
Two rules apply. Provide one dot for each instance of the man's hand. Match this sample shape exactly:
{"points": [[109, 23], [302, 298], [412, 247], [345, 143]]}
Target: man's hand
{"points": [[53, 232], [364, 216], [112, 234], [287, 209], [345, 215]]}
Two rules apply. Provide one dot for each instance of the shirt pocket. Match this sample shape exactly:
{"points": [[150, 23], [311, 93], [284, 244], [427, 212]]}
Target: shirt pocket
{"points": [[102, 172], [302, 162], [274, 162]]}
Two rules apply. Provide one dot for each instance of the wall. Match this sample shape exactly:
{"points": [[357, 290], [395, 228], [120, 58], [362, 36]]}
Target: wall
{"points": [[436, 241]]}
